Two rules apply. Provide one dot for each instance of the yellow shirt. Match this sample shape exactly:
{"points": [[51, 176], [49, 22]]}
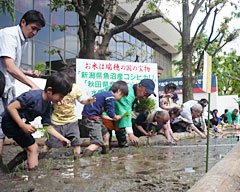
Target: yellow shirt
{"points": [[64, 111]]}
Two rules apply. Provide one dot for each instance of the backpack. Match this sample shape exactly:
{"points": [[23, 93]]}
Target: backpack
{"points": [[2, 83]]}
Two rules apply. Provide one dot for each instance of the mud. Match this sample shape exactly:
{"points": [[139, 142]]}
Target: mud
{"points": [[147, 168]]}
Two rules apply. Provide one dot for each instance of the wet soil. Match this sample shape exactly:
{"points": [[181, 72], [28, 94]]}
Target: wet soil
{"points": [[147, 168]]}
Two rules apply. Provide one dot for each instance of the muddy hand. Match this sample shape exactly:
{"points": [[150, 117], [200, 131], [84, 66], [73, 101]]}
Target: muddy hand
{"points": [[67, 143]]}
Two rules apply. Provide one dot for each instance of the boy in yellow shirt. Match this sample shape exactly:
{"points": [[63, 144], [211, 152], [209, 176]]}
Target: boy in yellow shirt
{"points": [[64, 118]]}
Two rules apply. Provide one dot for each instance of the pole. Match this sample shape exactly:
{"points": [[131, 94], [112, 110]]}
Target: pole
{"points": [[208, 132]]}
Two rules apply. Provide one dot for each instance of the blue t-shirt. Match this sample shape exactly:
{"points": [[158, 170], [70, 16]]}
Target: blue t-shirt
{"points": [[104, 102], [32, 106]]}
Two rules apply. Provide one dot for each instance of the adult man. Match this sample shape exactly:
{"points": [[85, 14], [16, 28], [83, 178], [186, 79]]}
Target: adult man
{"points": [[136, 92], [191, 112], [160, 71], [13, 41], [151, 123]]}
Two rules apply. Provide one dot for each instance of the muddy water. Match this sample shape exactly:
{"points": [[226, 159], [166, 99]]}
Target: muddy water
{"points": [[149, 168]]}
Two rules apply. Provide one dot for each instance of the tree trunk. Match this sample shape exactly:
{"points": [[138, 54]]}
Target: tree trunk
{"points": [[87, 47], [187, 55]]}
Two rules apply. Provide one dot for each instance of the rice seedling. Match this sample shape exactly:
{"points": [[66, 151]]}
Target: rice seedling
{"points": [[48, 164], [126, 114], [44, 130]]}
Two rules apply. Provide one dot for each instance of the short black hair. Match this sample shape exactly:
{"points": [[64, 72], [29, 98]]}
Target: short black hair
{"points": [[160, 68], [235, 110], [120, 85], [70, 72], [33, 16], [60, 83], [170, 86], [174, 111]]}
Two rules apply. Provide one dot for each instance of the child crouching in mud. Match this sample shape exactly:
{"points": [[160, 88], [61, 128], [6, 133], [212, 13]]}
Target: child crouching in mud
{"points": [[91, 120], [64, 119], [28, 106]]}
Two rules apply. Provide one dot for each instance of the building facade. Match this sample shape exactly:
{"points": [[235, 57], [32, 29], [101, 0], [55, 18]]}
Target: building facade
{"points": [[153, 42]]}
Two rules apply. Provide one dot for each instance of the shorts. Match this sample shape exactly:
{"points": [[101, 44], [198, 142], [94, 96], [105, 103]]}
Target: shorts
{"points": [[12, 130], [96, 130], [70, 131], [4, 101]]}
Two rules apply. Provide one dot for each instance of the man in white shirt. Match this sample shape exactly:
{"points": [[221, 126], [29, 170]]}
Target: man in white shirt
{"points": [[190, 112], [13, 41]]}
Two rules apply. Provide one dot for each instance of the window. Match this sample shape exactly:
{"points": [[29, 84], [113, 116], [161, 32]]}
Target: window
{"points": [[43, 7], [43, 34], [41, 52], [24, 5], [6, 20]]}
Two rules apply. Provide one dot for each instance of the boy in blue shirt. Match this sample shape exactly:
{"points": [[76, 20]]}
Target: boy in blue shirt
{"points": [[28, 106], [91, 120]]}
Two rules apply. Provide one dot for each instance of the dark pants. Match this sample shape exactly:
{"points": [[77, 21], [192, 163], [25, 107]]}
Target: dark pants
{"points": [[121, 138], [179, 127]]}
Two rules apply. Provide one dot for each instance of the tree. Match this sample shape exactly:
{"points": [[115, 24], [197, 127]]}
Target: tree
{"points": [[7, 6], [89, 29], [190, 45], [227, 69]]}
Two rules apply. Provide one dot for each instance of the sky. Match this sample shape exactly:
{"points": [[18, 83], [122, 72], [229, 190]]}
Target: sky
{"points": [[174, 12]]}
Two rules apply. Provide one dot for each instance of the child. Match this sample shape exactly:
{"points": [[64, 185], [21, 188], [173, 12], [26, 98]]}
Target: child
{"points": [[64, 118], [28, 106], [92, 121]]}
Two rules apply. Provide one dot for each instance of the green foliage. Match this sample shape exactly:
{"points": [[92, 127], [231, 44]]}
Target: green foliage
{"points": [[57, 4], [60, 27], [226, 68], [8, 6], [145, 104], [41, 67]]}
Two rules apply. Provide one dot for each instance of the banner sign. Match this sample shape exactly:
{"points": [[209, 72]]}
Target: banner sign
{"points": [[94, 75], [197, 87], [207, 73], [98, 74]]}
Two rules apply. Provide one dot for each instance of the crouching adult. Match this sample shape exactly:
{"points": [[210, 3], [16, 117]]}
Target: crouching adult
{"points": [[189, 113], [149, 124]]}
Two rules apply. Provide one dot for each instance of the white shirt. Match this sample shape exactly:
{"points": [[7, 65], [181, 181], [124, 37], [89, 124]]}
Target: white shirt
{"points": [[12, 44], [186, 112]]}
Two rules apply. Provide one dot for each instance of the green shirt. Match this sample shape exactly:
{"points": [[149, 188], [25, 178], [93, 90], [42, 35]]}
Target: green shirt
{"points": [[124, 105], [230, 120]]}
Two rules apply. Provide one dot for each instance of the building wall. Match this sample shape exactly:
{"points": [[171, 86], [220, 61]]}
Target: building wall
{"points": [[68, 42]]}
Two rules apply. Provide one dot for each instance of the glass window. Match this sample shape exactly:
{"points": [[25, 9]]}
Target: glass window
{"points": [[58, 17], [71, 43], [41, 52], [6, 20], [43, 7], [71, 18], [24, 5], [112, 47], [70, 56], [58, 39], [26, 67], [18, 17], [43, 34], [27, 55]]}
